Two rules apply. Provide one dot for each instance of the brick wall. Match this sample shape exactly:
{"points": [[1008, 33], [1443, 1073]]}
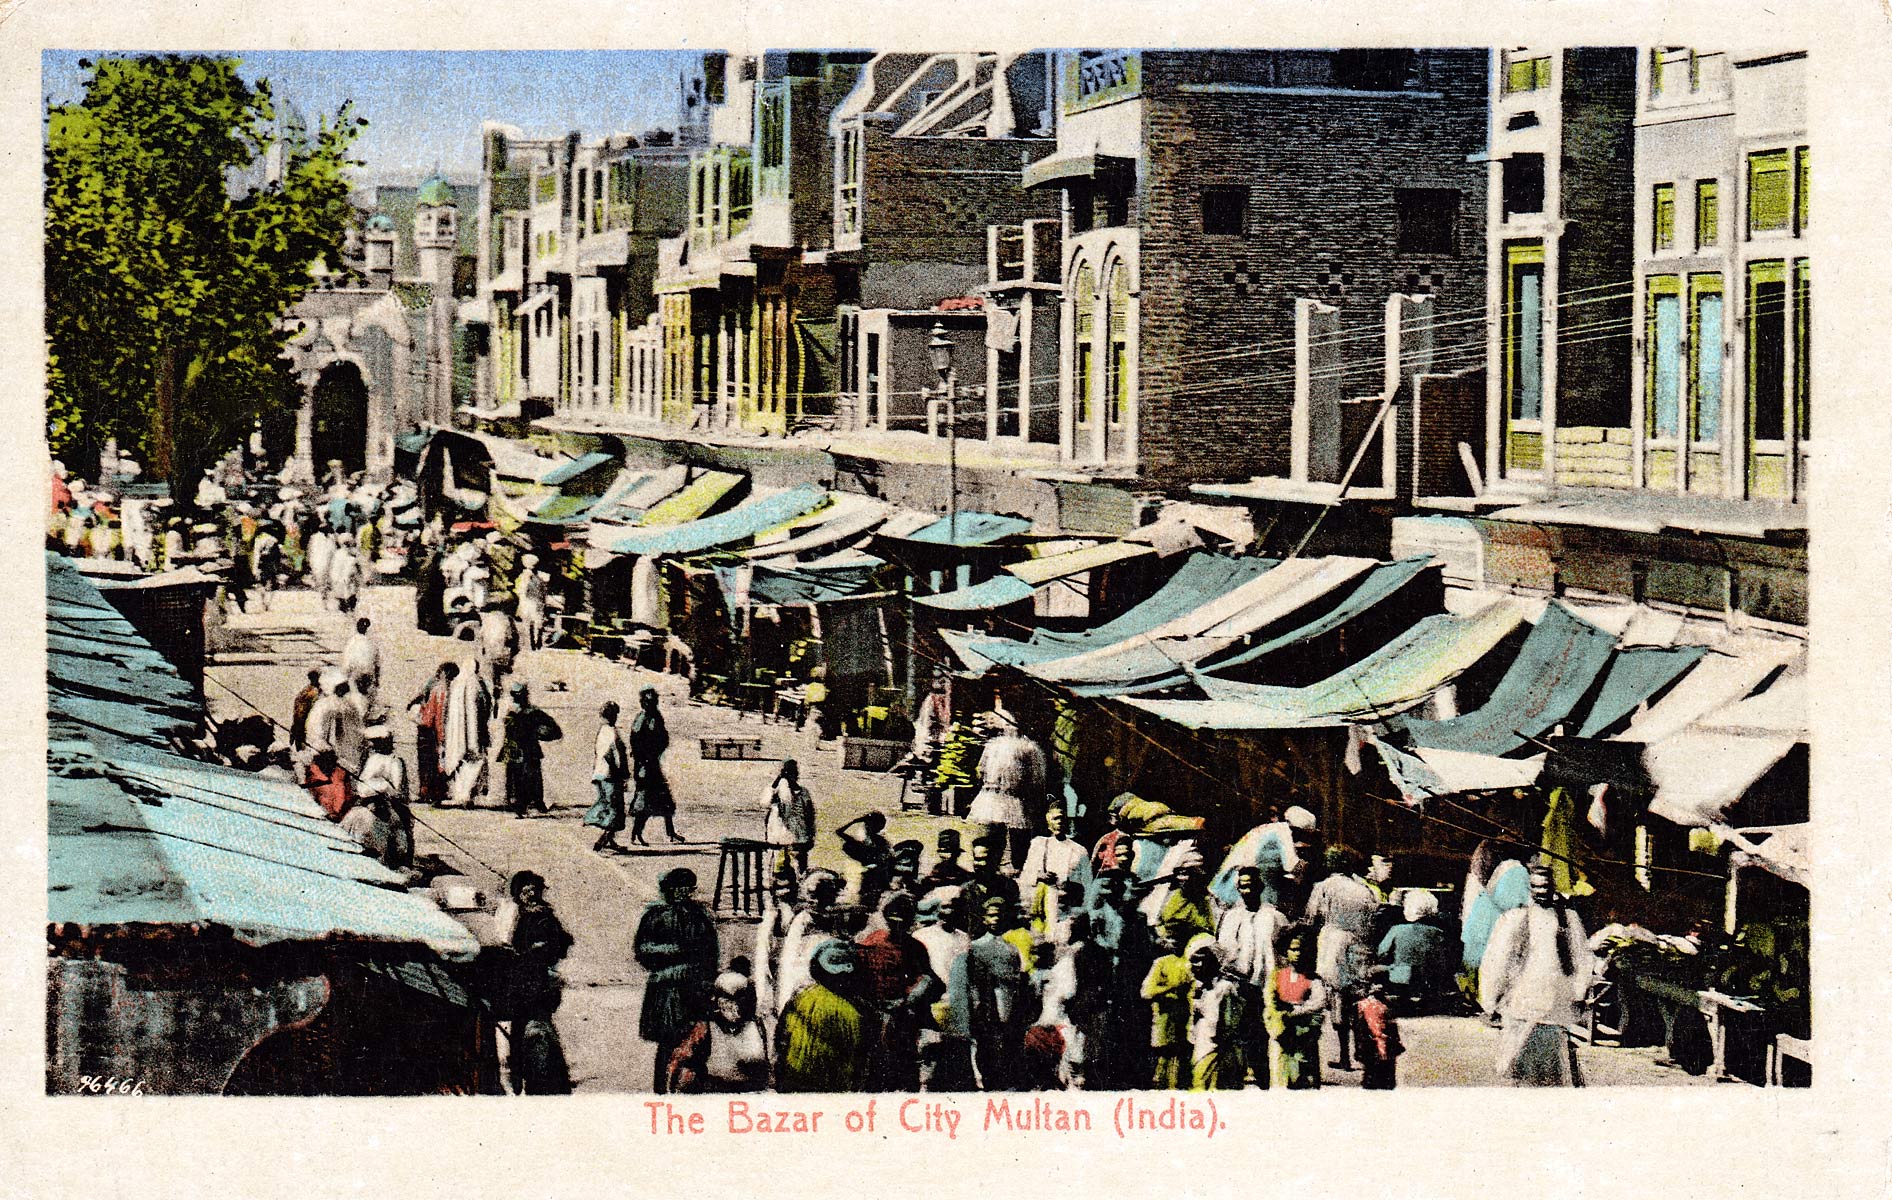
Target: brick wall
{"points": [[1593, 456], [1596, 251], [1445, 410], [1321, 167], [929, 200]]}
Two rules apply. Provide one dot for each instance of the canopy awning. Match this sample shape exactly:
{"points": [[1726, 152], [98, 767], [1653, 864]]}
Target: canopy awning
{"points": [[1700, 772], [1040, 571], [564, 473], [1398, 675], [1718, 680], [1061, 169], [849, 520], [1785, 850], [739, 523], [799, 586], [692, 500], [511, 459], [1633, 675], [1553, 670], [1201, 578], [1424, 771], [1211, 628], [140, 836], [996, 592], [969, 529]]}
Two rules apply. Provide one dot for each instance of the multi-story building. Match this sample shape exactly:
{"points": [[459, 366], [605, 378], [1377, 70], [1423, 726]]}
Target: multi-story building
{"points": [[929, 154], [747, 310], [1559, 257], [521, 267], [1214, 204], [1721, 275]]}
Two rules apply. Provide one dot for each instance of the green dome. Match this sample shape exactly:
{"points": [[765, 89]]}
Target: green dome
{"points": [[380, 223], [436, 191]]}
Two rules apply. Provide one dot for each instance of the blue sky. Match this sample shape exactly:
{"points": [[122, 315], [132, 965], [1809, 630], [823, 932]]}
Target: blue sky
{"points": [[426, 107]]}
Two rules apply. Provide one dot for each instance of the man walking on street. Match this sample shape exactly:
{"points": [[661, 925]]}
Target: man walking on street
{"points": [[521, 750], [1535, 974], [609, 771], [676, 943], [361, 657]]}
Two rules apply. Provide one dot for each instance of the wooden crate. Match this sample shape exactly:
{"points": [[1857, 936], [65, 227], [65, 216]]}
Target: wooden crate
{"points": [[731, 747], [870, 754]]}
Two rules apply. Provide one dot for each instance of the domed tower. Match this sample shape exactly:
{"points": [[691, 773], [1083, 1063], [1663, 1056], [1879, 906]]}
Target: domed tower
{"points": [[435, 233], [377, 237]]}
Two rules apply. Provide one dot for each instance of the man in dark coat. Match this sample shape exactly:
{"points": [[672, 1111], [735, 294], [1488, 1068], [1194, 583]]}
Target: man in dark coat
{"points": [[650, 796], [539, 941], [676, 943], [526, 728]]}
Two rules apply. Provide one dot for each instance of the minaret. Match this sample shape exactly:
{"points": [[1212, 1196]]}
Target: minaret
{"points": [[435, 233]]}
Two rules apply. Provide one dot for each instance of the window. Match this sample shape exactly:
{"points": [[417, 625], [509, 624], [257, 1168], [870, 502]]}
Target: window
{"points": [[1673, 70], [1083, 353], [1523, 184], [1526, 73], [1428, 219], [1800, 188], [546, 189], [1524, 331], [741, 193], [1707, 213], [597, 201], [1118, 366], [1704, 348], [1769, 194], [1802, 343], [1766, 351], [1664, 214], [699, 196], [1665, 357], [772, 126], [847, 208], [1373, 70], [1225, 210]]}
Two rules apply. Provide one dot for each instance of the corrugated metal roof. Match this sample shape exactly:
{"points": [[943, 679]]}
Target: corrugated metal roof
{"points": [[140, 835]]}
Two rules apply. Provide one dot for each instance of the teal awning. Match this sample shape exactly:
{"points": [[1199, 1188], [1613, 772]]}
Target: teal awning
{"points": [[139, 835], [1424, 658], [997, 592], [1382, 582], [566, 472], [800, 586], [1201, 578], [741, 522], [1634, 675], [1553, 670], [970, 529]]}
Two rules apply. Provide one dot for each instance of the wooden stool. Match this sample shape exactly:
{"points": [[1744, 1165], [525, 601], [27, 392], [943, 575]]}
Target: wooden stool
{"points": [[741, 876]]}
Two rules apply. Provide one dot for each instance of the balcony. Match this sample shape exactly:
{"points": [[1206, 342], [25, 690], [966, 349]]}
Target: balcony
{"points": [[1093, 78]]}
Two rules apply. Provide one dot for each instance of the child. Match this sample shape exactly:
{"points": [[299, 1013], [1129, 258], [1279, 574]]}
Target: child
{"points": [[1376, 1035], [1215, 1021], [1170, 988]]}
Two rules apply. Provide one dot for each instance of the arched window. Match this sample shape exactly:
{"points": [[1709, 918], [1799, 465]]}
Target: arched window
{"points": [[1117, 401], [1084, 297]]}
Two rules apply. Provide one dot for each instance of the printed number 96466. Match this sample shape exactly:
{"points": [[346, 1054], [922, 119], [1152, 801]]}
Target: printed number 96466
{"points": [[112, 1085]]}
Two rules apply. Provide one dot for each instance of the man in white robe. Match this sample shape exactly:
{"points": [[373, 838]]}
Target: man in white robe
{"points": [[1535, 975], [463, 752], [1054, 860]]}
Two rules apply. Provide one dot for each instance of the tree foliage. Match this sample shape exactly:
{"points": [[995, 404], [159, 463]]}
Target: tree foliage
{"points": [[182, 222]]}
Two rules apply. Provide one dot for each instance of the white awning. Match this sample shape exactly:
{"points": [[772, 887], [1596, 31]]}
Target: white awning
{"points": [[1702, 771]]}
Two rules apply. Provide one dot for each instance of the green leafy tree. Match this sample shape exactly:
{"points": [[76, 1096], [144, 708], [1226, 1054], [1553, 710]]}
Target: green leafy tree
{"points": [[182, 223]]}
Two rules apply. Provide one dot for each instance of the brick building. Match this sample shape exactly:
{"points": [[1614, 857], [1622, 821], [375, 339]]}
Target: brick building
{"points": [[1208, 197]]}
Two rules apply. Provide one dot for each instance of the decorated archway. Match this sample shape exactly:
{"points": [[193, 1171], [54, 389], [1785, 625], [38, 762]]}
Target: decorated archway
{"points": [[338, 405]]}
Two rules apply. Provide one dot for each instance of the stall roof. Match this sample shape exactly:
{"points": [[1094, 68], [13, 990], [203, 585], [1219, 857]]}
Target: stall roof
{"points": [[799, 586], [1378, 584], [741, 522], [996, 592], [1040, 571], [973, 529], [692, 501], [1201, 578], [1718, 680], [1633, 675], [1398, 675], [564, 473], [1209, 629], [1700, 772], [513, 459], [1553, 670], [849, 517], [140, 835]]}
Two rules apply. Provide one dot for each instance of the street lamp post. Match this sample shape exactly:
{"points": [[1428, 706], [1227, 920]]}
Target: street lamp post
{"points": [[939, 349]]}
